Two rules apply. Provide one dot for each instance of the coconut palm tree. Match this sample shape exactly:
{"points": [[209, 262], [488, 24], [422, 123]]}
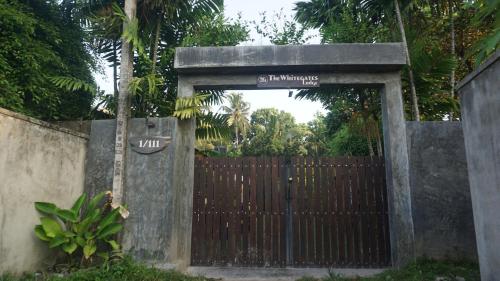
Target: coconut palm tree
{"points": [[126, 72], [238, 111]]}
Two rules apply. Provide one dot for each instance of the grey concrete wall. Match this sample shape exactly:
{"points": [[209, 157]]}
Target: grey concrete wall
{"points": [[148, 185], [441, 204], [38, 162], [480, 106]]}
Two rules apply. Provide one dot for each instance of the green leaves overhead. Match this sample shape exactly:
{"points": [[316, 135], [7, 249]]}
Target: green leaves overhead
{"points": [[73, 84], [42, 41], [189, 107]]}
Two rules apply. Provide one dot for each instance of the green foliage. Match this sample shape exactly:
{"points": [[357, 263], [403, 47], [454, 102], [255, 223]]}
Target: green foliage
{"points": [[422, 270], [280, 30], [237, 111], [347, 143], [41, 41], [429, 32], [487, 14], [189, 107], [82, 232], [209, 126], [121, 270], [274, 132]]}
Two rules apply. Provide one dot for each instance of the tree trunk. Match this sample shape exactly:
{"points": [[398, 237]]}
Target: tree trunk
{"points": [[413, 91], [156, 44], [379, 146], [452, 74], [370, 146], [236, 132], [123, 110], [115, 72]]}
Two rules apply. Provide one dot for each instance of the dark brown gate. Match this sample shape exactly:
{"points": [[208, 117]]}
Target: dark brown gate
{"points": [[299, 211]]}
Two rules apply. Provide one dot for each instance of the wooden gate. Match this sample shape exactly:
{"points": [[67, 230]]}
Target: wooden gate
{"points": [[299, 211]]}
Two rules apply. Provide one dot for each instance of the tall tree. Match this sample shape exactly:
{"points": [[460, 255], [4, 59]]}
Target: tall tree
{"points": [[377, 7], [238, 111], [123, 110], [42, 41]]}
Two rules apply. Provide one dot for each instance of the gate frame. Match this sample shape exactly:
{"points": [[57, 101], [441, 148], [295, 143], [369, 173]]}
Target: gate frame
{"points": [[377, 65]]}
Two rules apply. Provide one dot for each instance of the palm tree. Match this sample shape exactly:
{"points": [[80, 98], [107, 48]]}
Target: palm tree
{"points": [[238, 111], [126, 73]]}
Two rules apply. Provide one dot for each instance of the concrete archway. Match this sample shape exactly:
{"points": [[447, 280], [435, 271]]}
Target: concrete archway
{"points": [[238, 67]]}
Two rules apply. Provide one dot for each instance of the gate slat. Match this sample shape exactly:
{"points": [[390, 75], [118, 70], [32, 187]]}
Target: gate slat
{"points": [[341, 188], [363, 222], [295, 209], [325, 222], [260, 209], [283, 186], [318, 245], [252, 240], [275, 211], [268, 211]]}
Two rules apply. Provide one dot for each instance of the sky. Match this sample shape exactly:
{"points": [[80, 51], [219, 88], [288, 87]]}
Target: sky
{"points": [[302, 110]]}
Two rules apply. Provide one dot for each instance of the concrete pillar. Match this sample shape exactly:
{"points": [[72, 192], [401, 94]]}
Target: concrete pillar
{"points": [[183, 182], [397, 173], [480, 106]]}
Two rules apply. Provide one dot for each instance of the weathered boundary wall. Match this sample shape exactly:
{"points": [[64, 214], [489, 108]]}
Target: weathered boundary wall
{"points": [[441, 203], [38, 162], [148, 185], [480, 106]]}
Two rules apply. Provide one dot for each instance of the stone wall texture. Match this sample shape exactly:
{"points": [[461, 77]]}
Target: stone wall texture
{"points": [[38, 162], [441, 203], [480, 106], [148, 185]]}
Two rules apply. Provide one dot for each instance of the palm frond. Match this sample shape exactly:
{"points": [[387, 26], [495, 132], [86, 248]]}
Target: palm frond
{"points": [[73, 84], [213, 126]]}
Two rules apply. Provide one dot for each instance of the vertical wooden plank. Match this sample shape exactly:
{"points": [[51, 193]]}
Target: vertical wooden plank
{"points": [[341, 189], [224, 210], [295, 185], [210, 211], [195, 223], [372, 213], [245, 218], [268, 211], [217, 210], [364, 221], [240, 250], [352, 212], [275, 212], [260, 207], [204, 201], [283, 188], [252, 239], [231, 211], [385, 212], [325, 196], [377, 193], [333, 213], [310, 211], [318, 245]]}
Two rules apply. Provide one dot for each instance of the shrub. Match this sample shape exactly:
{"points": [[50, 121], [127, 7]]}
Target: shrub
{"points": [[82, 232]]}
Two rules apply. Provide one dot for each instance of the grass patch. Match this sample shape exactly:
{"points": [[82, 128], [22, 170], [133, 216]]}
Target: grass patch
{"points": [[125, 270], [422, 270]]}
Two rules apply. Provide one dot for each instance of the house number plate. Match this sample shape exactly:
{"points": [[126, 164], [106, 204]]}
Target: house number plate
{"points": [[148, 145]]}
